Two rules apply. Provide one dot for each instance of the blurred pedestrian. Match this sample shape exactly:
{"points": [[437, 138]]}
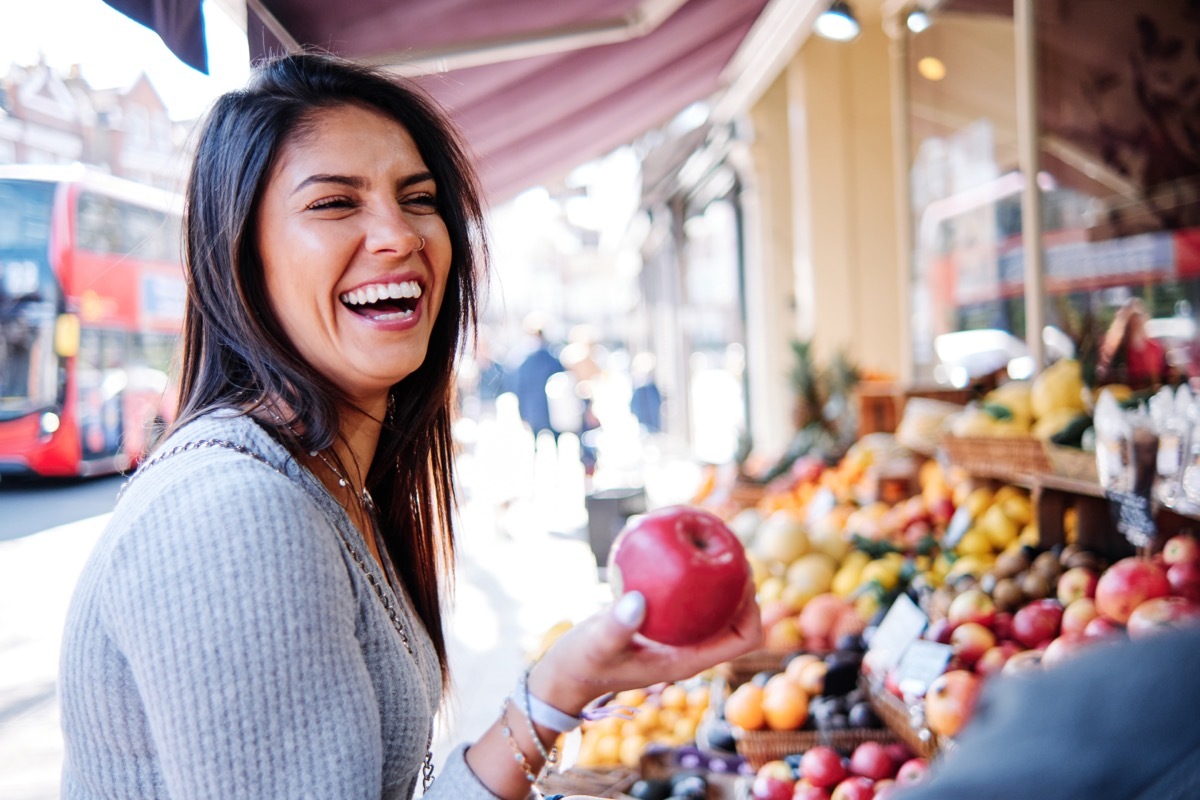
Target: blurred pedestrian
{"points": [[529, 383], [646, 400], [262, 616]]}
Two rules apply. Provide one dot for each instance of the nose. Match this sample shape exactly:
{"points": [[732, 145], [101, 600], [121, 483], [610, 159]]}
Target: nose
{"points": [[391, 233]]}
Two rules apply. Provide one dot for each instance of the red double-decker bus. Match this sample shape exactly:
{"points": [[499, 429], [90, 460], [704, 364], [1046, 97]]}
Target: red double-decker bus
{"points": [[91, 304]]}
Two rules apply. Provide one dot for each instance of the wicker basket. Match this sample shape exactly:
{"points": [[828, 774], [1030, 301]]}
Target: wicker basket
{"points": [[1007, 458], [741, 669], [1073, 463], [899, 719], [759, 747]]}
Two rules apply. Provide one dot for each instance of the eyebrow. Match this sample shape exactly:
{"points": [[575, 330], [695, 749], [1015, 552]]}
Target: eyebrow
{"points": [[355, 182]]}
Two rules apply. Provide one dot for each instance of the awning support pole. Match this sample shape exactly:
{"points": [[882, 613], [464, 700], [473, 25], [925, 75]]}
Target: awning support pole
{"points": [[1028, 160]]}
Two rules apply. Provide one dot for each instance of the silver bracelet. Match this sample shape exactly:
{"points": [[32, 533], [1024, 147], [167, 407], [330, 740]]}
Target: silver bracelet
{"points": [[542, 713]]}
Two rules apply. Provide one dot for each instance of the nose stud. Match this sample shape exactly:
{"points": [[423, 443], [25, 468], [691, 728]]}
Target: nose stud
{"points": [[422, 245]]}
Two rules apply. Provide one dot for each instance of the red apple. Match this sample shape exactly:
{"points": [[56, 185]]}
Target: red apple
{"points": [[1126, 585], [972, 605], [871, 760], [1077, 615], [1065, 647], [1161, 614], [912, 771], [898, 752], [806, 791], [690, 567], [854, 788], [1002, 625], [1181, 549], [992, 661], [768, 787], [1037, 622], [1102, 628], [970, 641], [942, 509], [950, 701], [1076, 583], [1184, 578], [822, 766]]}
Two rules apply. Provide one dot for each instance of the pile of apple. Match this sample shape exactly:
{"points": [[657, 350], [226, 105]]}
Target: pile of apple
{"points": [[872, 770], [1134, 597]]}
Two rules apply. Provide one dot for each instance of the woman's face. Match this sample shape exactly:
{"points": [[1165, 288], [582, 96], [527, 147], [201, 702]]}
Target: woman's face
{"points": [[340, 230]]}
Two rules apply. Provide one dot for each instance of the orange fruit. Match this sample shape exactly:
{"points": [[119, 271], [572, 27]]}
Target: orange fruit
{"points": [[797, 664], [812, 677], [785, 707], [743, 707], [674, 696]]}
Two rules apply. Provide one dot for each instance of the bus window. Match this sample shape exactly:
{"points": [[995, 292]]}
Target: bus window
{"points": [[29, 300], [98, 227]]}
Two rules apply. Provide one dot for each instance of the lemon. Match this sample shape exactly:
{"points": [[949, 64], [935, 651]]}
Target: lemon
{"points": [[974, 542], [885, 572]]}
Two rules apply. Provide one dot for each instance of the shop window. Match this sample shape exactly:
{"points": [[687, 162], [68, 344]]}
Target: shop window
{"points": [[1119, 118]]}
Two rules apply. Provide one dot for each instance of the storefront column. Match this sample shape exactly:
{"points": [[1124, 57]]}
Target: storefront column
{"points": [[769, 282], [844, 222], [1028, 145]]}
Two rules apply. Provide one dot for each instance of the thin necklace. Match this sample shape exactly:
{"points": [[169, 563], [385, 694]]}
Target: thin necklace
{"points": [[365, 501]]}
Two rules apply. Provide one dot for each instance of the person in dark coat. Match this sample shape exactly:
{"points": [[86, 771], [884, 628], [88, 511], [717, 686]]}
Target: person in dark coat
{"points": [[1116, 723]]}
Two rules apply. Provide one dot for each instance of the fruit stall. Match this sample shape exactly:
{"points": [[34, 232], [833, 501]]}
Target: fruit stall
{"points": [[1012, 533]]}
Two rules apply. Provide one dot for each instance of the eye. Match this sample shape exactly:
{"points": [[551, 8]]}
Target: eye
{"points": [[421, 203], [338, 202]]}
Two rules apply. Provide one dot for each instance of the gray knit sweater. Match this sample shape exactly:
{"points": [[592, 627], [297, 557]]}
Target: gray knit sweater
{"points": [[223, 643]]}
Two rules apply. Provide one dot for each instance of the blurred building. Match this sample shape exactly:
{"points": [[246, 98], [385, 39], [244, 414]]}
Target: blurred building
{"points": [[50, 118]]}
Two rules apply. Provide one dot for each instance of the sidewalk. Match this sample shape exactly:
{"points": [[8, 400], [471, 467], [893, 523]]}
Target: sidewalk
{"points": [[516, 579]]}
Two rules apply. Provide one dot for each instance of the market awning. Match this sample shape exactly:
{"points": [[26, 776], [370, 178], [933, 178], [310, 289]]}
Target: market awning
{"points": [[537, 87]]}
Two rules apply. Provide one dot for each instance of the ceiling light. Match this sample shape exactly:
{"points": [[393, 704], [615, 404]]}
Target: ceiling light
{"points": [[837, 22], [918, 20]]}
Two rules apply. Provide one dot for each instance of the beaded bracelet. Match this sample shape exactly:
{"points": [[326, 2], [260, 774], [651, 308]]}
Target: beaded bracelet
{"points": [[551, 757], [518, 755]]}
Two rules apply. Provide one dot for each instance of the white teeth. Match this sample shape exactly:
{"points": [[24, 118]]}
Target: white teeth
{"points": [[381, 291]]}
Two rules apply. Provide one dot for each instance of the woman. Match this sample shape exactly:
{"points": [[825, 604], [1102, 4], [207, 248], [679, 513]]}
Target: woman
{"points": [[262, 617]]}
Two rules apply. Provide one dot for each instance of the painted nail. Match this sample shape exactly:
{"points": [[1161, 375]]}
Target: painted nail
{"points": [[630, 610]]}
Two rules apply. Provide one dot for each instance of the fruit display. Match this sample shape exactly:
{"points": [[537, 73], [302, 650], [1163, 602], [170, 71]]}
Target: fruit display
{"points": [[1040, 609], [1052, 405]]}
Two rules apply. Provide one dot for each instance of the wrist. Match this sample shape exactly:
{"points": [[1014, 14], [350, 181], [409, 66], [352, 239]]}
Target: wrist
{"points": [[567, 696]]}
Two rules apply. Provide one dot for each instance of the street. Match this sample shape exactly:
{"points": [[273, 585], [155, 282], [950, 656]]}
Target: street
{"points": [[519, 574], [28, 506]]}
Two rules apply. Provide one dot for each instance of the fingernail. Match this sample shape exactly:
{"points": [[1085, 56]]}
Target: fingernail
{"points": [[630, 609]]}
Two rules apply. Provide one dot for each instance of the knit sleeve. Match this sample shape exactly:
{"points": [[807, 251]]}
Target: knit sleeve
{"points": [[229, 599]]}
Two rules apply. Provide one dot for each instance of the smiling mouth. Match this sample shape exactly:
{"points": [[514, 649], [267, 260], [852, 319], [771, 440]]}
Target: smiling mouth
{"points": [[384, 302]]}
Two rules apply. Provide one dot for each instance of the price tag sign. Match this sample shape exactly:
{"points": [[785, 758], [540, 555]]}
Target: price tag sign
{"points": [[820, 505], [1133, 516], [959, 524], [921, 663], [901, 626]]}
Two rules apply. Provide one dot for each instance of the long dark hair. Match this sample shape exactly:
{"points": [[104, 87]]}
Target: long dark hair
{"points": [[235, 353]]}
